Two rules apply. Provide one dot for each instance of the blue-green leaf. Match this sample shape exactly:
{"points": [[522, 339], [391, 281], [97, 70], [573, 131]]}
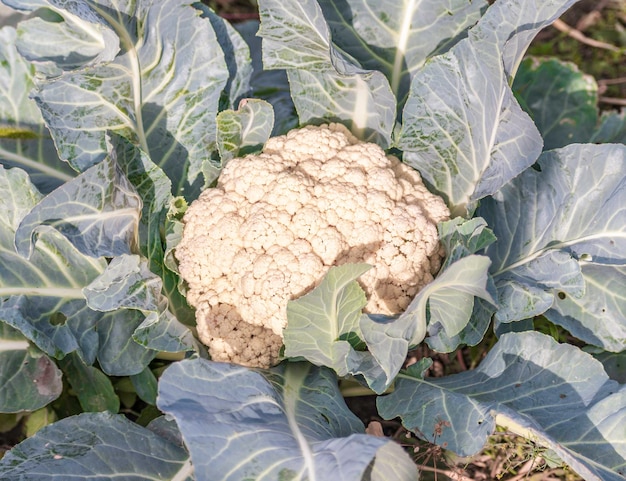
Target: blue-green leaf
{"points": [[127, 283], [463, 129], [244, 130], [98, 212], [449, 298], [29, 379], [599, 316], [289, 423], [323, 325], [24, 139], [91, 445], [91, 386], [161, 91], [568, 210], [41, 297], [562, 101], [556, 395], [397, 37], [326, 84]]}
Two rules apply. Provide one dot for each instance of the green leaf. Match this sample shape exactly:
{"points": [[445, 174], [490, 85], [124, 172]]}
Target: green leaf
{"points": [[269, 85], [326, 84], [397, 37], [552, 220], [289, 423], [555, 395], [612, 128], [449, 299], [92, 387], [161, 91], [145, 384], [70, 36], [41, 297], [24, 140], [29, 379], [598, 317], [562, 101], [323, 325], [98, 212], [95, 445], [463, 129], [245, 130], [128, 284]]}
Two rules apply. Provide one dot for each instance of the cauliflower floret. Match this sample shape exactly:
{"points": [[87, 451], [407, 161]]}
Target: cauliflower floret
{"points": [[277, 221]]}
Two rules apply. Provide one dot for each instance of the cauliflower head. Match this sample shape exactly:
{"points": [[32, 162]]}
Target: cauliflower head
{"points": [[277, 221]]}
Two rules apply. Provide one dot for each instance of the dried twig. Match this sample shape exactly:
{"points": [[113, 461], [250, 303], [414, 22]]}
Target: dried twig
{"points": [[613, 101], [582, 38]]}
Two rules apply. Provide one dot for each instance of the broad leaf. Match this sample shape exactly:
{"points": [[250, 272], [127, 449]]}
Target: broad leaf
{"points": [[599, 316], [327, 327], [568, 209], [290, 423], [323, 325], [29, 379], [91, 386], [99, 445], [463, 129], [244, 130], [41, 297], [562, 101], [326, 84], [127, 283], [81, 37], [449, 299], [24, 140], [612, 128], [557, 395], [97, 211], [269, 85], [397, 37], [149, 93], [155, 190]]}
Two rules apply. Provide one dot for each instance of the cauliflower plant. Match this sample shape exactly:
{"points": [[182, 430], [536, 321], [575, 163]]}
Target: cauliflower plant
{"points": [[275, 223]]}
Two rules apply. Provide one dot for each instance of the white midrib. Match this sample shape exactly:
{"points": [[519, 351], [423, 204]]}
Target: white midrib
{"points": [[293, 383], [135, 76], [554, 247], [403, 40]]}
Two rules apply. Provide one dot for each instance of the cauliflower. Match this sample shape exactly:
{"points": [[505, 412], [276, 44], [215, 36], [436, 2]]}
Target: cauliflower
{"points": [[275, 223]]}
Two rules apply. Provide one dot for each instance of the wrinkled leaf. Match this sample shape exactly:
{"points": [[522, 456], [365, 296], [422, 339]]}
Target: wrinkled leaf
{"points": [[562, 101], [599, 316], [24, 140], [269, 85], [149, 93], [323, 325], [244, 130], [80, 38], [327, 327], [97, 211], [326, 84], [569, 209], [449, 299], [41, 297], [94, 445], [155, 190], [288, 423], [397, 37], [559, 395], [463, 129], [128, 284], [29, 379]]}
